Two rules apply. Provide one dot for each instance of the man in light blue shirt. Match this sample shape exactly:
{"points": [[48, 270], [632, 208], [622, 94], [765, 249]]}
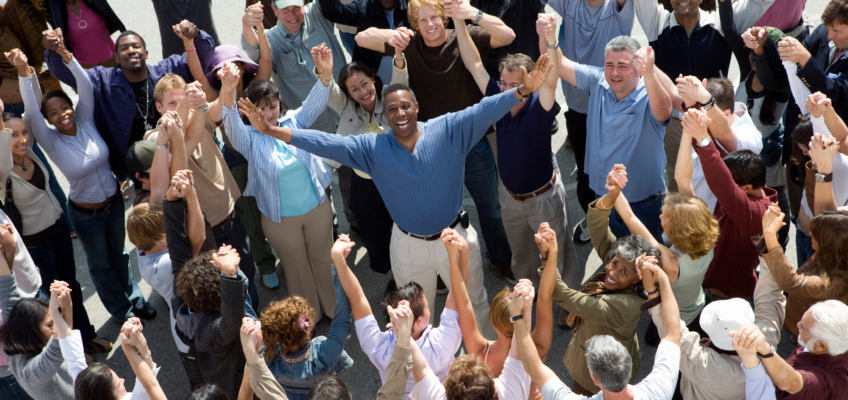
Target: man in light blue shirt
{"points": [[626, 126], [587, 26], [419, 169]]}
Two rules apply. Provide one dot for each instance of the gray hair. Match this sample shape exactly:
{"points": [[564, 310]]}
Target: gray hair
{"points": [[630, 247], [622, 43], [609, 362], [395, 87], [831, 324]]}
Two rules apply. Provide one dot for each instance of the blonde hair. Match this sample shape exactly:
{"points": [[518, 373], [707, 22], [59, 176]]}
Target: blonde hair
{"points": [[146, 226], [691, 227], [415, 5], [166, 83], [499, 313], [286, 325]]}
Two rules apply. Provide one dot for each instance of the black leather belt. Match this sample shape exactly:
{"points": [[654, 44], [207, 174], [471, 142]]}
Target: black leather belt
{"points": [[224, 222], [462, 218]]}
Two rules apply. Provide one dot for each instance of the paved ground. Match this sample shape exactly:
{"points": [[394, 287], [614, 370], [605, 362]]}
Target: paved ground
{"points": [[363, 380]]}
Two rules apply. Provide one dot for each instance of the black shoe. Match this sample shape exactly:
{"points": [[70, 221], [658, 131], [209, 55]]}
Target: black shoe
{"points": [[505, 268], [440, 286], [555, 128], [146, 312]]}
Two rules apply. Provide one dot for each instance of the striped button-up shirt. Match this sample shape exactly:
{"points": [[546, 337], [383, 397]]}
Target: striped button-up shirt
{"points": [[261, 152]]}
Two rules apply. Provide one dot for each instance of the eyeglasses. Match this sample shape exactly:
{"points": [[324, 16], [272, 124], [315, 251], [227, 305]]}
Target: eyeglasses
{"points": [[504, 85]]}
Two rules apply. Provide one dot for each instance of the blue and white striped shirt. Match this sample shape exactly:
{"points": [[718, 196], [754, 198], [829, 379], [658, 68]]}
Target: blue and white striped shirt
{"points": [[261, 151], [422, 189]]}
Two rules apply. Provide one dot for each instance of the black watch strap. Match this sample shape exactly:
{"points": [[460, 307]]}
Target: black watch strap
{"points": [[516, 317], [769, 355]]}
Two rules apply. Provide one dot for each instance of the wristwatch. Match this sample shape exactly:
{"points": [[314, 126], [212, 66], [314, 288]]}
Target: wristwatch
{"points": [[479, 16], [769, 355], [205, 107], [163, 146], [523, 96], [704, 142], [824, 178], [552, 46], [656, 289], [516, 317], [709, 105]]}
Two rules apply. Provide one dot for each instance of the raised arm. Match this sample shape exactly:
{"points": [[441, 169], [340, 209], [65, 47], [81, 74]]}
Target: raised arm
{"points": [[457, 249], [823, 152], [658, 97], [140, 358], [543, 333], [261, 379], [6, 160], [70, 341], [352, 288], [522, 341], [195, 67], [460, 11], [781, 373], [40, 130], [333, 347], [547, 93], [684, 166], [316, 101], [693, 92], [820, 106], [471, 56], [565, 67], [232, 299], [377, 39], [182, 186]]}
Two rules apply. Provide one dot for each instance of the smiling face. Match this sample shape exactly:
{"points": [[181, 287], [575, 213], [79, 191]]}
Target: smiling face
{"points": [[270, 109], [118, 386], [620, 274], [838, 33], [60, 113], [290, 17], [401, 111], [431, 26], [685, 7], [132, 55], [620, 73], [20, 136], [361, 89]]}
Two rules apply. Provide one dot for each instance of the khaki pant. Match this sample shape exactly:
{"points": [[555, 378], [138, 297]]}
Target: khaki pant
{"points": [[419, 261], [303, 244], [521, 220], [673, 132]]}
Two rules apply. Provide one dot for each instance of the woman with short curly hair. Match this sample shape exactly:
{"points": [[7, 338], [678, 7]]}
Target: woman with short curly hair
{"points": [[294, 356]]}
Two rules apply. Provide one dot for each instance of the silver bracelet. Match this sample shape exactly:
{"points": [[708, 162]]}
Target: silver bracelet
{"points": [[163, 146], [143, 358]]}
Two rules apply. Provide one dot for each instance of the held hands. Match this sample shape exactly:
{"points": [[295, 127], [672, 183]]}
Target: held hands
{"points": [[648, 270], [323, 58], [692, 90], [822, 151], [790, 49], [186, 30], [251, 339], [750, 338], [17, 58], [170, 125], [7, 239], [616, 178], [400, 319], [520, 296], [257, 119], [400, 37], [341, 249], [253, 16], [460, 9], [227, 259], [546, 27], [131, 333], [817, 104], [546, 240], [194, 96], [695, 123], [525, 289], [534, 79], [454, 242], [773, 220], [644, 62], [54, 40], [182, 185], [229, 75], [755, 38]]}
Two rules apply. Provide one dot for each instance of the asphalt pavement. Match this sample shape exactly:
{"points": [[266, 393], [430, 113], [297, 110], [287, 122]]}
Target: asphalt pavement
{"points": [[363, 379]]}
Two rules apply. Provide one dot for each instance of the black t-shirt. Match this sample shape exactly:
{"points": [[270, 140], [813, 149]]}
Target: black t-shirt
{"points": [[520, 15], [145, 105]]}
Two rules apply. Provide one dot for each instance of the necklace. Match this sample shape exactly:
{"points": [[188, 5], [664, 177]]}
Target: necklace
{"points": [[81, 23], [146, 114], [23, 166]]}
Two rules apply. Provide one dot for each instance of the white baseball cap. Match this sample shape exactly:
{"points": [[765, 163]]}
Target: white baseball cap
{"points": [[281, 4], [721, 317]]}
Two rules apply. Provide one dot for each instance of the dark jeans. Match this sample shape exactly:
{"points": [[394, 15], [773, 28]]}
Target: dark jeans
{"points": [[192, 369], [648, 211], [481, 180], [234, 234], [10, 389], [575, 123], [54, 257], [375, 223], [102, 235]]}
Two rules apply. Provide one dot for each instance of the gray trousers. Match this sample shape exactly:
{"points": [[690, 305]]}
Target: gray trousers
{"points": [[521, 220]]}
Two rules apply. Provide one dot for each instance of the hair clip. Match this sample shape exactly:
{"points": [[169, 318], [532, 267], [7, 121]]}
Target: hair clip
{"points": [[303, 324]]}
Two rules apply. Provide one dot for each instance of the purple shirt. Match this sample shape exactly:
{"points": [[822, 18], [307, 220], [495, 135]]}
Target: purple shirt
{"points": [[783, 14]]}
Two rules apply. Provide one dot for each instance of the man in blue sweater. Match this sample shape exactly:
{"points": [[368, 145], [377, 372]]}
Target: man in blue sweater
{"points": [[418, 169]]}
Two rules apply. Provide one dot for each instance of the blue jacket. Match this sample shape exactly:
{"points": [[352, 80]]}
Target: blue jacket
{"points": [[297, 372], [114, 100]]}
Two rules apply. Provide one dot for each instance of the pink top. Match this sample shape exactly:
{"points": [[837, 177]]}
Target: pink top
{"points": [[783, 14], [88, 36]]}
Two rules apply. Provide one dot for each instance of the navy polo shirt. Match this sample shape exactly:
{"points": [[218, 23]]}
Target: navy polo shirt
{"points": [[524, 145]]}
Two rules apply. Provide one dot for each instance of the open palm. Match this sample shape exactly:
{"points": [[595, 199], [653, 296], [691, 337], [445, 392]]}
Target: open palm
{"points": [[535, 78]]}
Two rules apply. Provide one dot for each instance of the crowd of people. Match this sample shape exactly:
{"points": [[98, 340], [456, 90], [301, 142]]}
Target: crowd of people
{"points": [[689, 183]]}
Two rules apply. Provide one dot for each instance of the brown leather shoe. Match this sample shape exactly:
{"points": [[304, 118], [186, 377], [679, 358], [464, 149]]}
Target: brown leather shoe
{"points": [[98, 345], [89, 359], [505, 268]]}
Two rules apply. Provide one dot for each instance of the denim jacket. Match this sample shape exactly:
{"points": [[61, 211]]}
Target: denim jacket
{"points": [[297, 372]]}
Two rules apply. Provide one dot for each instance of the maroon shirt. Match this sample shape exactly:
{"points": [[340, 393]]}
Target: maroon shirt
{"points": [[740, 217], [825, 376]]}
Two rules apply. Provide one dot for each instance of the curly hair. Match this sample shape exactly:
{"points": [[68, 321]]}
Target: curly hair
{"points": [[282, 327], [499, 313], [469, 378], [691, 227], [415, 5], [199, 284]]}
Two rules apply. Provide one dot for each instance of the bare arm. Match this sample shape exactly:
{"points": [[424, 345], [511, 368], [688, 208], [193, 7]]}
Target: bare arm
{"points": [[565, 67], [474, 341], [502, 35], [196, 67], [782, 374], [543, 334], [547, 93], [539, 373], [160, 170], [670, 87], [636, 227], [374, 39], [265, 62], [837, 128], [658, 97], [684, 167], [470, 55]]}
